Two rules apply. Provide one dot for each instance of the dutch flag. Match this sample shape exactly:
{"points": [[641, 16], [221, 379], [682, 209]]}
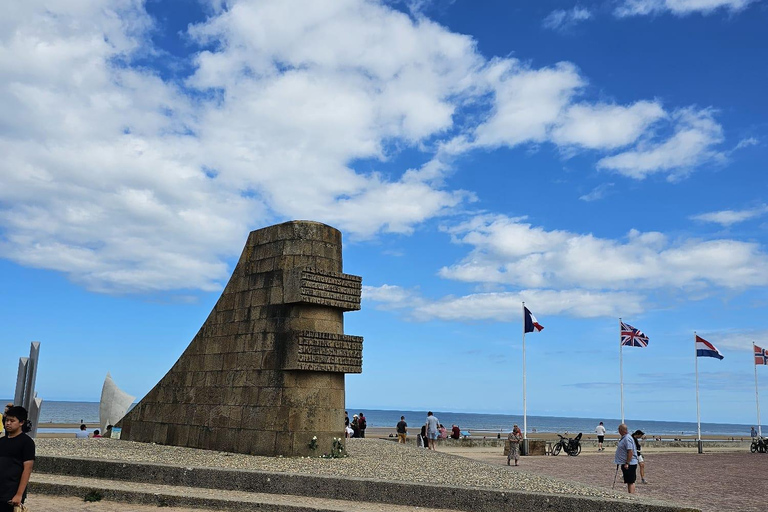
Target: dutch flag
{"points": [[706, 349]]}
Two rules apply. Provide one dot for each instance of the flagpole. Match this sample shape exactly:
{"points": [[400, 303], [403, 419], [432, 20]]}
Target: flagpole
{"points": [[621, 372], [757, 398], [698, 409], [525, 410]]}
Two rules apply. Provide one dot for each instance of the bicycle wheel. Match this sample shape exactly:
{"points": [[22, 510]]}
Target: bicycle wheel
{"points": [[753, 447], [576, 451], [556, 450]]}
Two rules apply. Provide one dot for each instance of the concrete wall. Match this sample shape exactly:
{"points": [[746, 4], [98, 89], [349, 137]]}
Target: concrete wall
{"points": [[265, 373]]}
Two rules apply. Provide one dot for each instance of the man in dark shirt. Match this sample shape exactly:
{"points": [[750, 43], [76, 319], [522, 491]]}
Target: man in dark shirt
{"points": [[402, 430], [17, 455]]}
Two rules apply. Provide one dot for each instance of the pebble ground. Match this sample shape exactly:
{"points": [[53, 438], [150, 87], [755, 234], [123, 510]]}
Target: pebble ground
{"points": [[368, 458]]}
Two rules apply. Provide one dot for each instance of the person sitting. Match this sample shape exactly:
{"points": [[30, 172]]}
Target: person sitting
{"points": [[82, 433], [441, 432], [422, 441], [455, 432], [96, 433]]}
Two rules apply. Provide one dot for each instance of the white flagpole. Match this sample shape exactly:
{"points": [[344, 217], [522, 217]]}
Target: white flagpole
{"points": [[621, 372], [698, 409], [757, 398], [525, 411]]}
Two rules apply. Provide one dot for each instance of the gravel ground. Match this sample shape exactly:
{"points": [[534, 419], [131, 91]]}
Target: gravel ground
{"points": [[368, 458], [712, 482]]}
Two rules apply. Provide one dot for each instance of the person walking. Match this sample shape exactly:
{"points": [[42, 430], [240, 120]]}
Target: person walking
{"points": [[514, 439], [402, 430], [600, 431], [432, 426], [626, 457], [637, 435]]}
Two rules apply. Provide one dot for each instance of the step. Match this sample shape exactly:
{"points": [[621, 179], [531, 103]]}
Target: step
{"points": [[377, 493], [195, 497]]}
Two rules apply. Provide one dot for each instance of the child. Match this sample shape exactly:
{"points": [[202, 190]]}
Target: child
{"points": [[17, 455]]}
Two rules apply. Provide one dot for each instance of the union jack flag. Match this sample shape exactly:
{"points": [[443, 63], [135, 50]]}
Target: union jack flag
{"points": [[761, 355], [632, 337]]}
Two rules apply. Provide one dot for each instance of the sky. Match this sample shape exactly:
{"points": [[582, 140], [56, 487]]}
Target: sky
{"points": [[597, 160]]}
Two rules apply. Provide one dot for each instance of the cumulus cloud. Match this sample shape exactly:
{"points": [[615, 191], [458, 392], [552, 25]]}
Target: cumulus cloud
{"points": [[561, 19], [604, 126], [729, 217], [511, 252], [696, 135], [127, 181], [678, 7]]}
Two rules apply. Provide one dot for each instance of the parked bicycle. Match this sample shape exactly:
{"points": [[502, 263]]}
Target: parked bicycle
{"points": [[570, 446], [759, 444]]}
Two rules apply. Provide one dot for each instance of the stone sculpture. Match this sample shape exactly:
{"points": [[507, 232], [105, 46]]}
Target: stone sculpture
{"points": [[114, 403], [265, 373], [25, 394]]}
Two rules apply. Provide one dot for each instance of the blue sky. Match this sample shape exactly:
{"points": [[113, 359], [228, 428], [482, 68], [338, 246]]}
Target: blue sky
{"points": [[597, 160]]}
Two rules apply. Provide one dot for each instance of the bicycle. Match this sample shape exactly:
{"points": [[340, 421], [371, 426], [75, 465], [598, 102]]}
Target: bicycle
{"points": [[570, 446]]}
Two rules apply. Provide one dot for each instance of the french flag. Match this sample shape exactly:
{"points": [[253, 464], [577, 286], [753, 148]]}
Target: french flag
{"points": [[706, 349], [531, 323]]}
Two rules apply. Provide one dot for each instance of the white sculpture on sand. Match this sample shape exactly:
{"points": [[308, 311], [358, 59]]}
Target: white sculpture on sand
{"points": [[114, 403]]}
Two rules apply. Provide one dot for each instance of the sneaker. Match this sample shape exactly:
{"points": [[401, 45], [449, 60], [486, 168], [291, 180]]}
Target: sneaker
{"points": [[643, 482]]}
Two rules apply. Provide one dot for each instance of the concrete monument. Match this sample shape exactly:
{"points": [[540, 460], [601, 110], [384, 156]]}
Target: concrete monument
{"points": [[114, 403], [25, 394], [265, 373]]}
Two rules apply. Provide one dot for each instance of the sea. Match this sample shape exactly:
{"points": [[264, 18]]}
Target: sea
{"points": [[88, 412]]}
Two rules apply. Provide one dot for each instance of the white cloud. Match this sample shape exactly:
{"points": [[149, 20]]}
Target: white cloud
{"points": [[527, 102], [678, 7], [692, 144], [729, 217], [126, 181], [120, 180], [597, 193], [603, 126], [505, 306], [510, 252], [561, 19], [737, 339], [745, 143]]}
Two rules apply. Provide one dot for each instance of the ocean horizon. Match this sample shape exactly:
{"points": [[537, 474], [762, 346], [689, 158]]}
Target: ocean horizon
{"points": [[88, 412]]}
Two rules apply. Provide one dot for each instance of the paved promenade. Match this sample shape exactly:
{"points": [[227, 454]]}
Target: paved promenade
{"points": [[712, 482]]}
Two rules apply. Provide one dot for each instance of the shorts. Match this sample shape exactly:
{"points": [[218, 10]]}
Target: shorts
{"points": [[600, 439], [640, 458], [432, 435], [630, 474]]}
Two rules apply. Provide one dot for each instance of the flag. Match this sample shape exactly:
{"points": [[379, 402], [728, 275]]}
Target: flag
{"points": [[531, 324], [632, 337], [761, 355], [706, 349]]}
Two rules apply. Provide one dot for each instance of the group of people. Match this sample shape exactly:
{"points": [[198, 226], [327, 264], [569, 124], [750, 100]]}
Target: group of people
{"points": [[356, 427], [17, 456], [427, 431]]}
